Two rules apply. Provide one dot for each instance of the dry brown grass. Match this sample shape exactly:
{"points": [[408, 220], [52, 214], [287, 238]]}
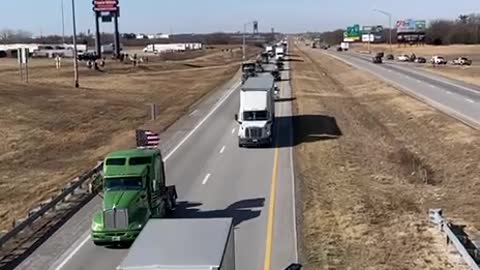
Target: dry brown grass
{"points": [[51, 132], [365, 194]]}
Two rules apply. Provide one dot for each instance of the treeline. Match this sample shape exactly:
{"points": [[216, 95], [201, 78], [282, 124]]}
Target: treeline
{"points": [[8, 36], [463, 30]]}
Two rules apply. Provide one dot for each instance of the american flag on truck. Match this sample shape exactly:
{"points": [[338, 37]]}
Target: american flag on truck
{"points": [[147, 139]]}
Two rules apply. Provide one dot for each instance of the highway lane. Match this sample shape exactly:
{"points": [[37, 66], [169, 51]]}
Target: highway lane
{"points": [[214, 178], [457, 99]]}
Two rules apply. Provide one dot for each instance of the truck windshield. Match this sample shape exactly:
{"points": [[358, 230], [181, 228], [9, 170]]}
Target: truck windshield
{"points": [[255, 116], [123, 183]]}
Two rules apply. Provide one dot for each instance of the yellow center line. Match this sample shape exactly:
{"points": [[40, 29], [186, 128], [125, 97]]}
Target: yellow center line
{"points": [[271, 214]]}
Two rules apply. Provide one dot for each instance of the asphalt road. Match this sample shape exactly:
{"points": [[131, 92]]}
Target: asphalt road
{"points": [[214, 178], [458, 99]]}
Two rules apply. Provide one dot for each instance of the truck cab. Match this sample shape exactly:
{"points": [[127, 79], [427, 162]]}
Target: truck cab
{"points": [[134, 190], [257, 112]]}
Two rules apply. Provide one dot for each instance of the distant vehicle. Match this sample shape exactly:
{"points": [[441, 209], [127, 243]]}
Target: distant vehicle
{"points": [[134, 190], [403, 58], [248, 70], [88, 56], [279, 65], [256, 114], [390, 57], [380, 54], [345, 46], [339, 49], [276, 92], [279, 53], [377, 60], [420, 60], [462, 61], [438, 60], [276, 75]]}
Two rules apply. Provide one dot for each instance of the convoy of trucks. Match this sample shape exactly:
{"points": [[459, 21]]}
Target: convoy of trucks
{"points": [[134, 190], [136, 197], [257, 111]]}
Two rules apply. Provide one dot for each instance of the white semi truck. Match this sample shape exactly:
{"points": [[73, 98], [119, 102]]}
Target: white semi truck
{"points": [[257, 111], [183, 244], [279, 53]]}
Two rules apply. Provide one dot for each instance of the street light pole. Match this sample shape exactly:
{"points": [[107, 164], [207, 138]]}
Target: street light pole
{"points": [[75, 57], [389, 15]]}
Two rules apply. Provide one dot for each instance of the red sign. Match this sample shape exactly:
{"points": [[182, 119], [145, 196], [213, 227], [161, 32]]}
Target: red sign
{"points": [[105, 5]]}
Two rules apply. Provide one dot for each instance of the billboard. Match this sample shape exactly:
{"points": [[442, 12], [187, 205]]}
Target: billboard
{"points": [[411, 26], [373, 34], [372, 29]]}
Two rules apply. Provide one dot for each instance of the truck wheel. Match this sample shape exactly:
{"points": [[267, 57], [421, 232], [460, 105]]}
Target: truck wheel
{"points": [[240, 145]]}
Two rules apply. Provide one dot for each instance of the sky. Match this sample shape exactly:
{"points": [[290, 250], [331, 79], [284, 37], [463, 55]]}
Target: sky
{"points": [[202, 16]]}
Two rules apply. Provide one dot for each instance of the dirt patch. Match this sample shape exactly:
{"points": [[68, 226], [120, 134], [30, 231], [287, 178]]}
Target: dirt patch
{"points": [[51, 132], [365, 193]]}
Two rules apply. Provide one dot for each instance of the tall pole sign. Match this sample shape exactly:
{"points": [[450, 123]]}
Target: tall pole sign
{"points": [[106, 9]]}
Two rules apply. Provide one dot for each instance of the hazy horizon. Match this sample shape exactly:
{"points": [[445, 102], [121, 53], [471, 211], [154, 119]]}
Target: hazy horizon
{"points": [[189, 16]]}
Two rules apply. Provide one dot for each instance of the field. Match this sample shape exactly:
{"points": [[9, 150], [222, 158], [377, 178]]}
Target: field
{"points": [[376, 161], [51, 131], [469, 74]]}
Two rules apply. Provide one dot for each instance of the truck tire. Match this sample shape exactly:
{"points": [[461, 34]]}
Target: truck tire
{"points": [[240, 145]]}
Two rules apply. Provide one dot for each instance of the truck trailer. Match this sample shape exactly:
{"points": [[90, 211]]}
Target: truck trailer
{"points": [[257, 111], [183, 244]]}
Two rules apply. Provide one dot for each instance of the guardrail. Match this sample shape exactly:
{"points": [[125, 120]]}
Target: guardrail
{"points": [[436, 218], [46, 206]]}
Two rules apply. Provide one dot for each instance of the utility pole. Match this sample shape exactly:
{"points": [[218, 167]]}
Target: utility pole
{"points": [[63, 22], [244, 39], [75, 54]]}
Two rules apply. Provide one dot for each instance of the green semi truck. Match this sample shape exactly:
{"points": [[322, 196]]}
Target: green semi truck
{"points": [[134, 190]]}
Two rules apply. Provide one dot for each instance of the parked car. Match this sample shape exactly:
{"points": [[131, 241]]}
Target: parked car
{"points": [[462, 61], [438, 60], [403, 58], [421, 60], [390, 57]]}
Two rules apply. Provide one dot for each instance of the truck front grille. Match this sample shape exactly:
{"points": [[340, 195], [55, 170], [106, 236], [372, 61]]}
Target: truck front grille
{"points": [[253, 132], [115, 219]]}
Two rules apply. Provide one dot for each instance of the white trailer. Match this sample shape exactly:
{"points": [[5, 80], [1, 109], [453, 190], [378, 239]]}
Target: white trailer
{"points": [[345, 46], [183, 244], [257, 111]]}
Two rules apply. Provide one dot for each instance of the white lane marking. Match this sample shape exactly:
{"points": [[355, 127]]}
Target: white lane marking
{"points": [[72, 253], [205, 180], [470, 100], [194, 112], [448, 92], [419, 81], [233, 130], [222, 150], [390, 71], [219, 103], [431, 86]]}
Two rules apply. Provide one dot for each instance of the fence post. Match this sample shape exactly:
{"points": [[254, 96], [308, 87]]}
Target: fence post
{"points": [[153, 111]]}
